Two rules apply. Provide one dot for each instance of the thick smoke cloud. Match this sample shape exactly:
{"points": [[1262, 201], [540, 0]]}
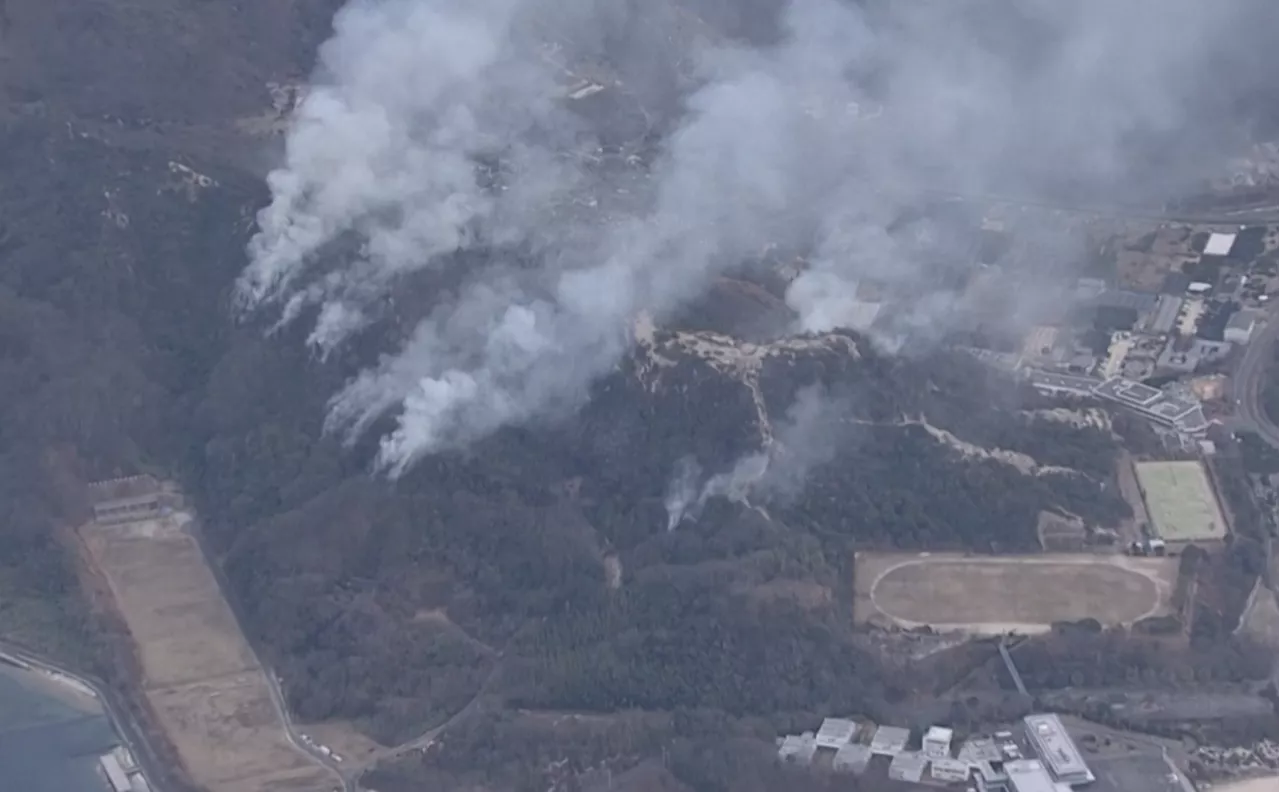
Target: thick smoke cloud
{"points": [[814, 137]]}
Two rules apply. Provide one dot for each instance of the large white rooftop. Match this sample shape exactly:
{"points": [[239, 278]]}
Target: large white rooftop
{"points": [[1219, 244], [1056, 748], [889, 740], [1029, 775], [908, 766], [852, 757], [835, 732]]}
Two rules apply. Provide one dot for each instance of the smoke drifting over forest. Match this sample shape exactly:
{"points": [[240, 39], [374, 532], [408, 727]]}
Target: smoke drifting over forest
{"points": [[807, 124]]}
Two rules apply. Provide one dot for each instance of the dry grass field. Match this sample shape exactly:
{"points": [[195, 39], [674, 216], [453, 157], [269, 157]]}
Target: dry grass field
{"points": [[199, 675], [997, 594]]}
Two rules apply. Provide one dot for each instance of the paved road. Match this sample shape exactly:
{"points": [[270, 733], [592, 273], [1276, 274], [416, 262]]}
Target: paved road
{"points": [[116, 711], [340, 778], [1261, 212], [1247, 379], [295, 739]]}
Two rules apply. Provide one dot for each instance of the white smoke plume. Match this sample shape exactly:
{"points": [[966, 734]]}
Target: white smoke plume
{"points": [[810, 434], [735, 484], [771, 144], [682, 490]]}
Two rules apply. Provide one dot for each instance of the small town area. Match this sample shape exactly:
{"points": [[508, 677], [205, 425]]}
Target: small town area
{"points": [[1041, 753]]}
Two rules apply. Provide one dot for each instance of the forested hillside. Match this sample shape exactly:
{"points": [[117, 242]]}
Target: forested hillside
{"points": [[389, 604], [535, 573], [538, 562]]}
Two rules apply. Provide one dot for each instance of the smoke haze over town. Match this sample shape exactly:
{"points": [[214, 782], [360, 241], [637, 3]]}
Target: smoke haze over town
{"points": [[433, 128]]}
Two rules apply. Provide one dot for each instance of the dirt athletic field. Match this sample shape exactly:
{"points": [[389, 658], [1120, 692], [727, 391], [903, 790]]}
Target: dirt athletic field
{"points": [[997, 594], [199, 675]]}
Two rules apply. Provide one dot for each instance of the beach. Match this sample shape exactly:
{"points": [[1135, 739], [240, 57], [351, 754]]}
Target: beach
{"points": [[1268, 784]]}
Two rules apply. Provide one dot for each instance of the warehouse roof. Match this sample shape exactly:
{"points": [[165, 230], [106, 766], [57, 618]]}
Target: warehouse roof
{"points": [[1219, 244]]}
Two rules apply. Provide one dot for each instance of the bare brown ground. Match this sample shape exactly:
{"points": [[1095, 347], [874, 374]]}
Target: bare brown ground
{"points": [[1060, 534], [997, 594], [199, 675], [343, 738]]}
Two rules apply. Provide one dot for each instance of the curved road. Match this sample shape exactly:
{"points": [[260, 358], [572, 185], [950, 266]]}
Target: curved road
{"points": [[1247, 379], [348, 782]]}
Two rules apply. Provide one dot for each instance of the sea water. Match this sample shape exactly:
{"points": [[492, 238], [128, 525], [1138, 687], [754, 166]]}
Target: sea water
{"points": [[50, 735]]}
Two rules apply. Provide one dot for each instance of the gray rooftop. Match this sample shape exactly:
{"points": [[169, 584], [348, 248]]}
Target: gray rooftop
{"points": [[1029, 775], [1055, 747], [890, 740]]}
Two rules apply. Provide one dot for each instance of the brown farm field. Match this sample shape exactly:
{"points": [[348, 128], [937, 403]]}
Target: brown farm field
{"points": [[199, 675], [997, 594]]}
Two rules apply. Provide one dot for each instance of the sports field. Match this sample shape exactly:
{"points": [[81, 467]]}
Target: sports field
{"points": [[997, 594], [1181, 501], [200, 677]]}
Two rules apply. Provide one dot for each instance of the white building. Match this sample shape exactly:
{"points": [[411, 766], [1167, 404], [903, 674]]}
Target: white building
{"points": [[937, 743], [1239, 328], [835, 732], [908, 766], [889, 740], [949, 771], [798, 748], [990, 777], [1219, 244], [1030, 775], [1056, 749], [851, 758]]}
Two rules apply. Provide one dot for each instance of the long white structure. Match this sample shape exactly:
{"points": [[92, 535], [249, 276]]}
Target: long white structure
{"points": [[1056, 749]]}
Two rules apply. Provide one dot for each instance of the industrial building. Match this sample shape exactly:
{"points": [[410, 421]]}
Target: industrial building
{"points": [[836, 732], [1175, 410], [126, 499], [1183, 413], [1219, 244], [1027, 775], [1119, 298], [936, 743], [1056, 749], [980, 749], [851, 758], [949, 771], [1164, 316], [889, 740], [908, 766]]}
